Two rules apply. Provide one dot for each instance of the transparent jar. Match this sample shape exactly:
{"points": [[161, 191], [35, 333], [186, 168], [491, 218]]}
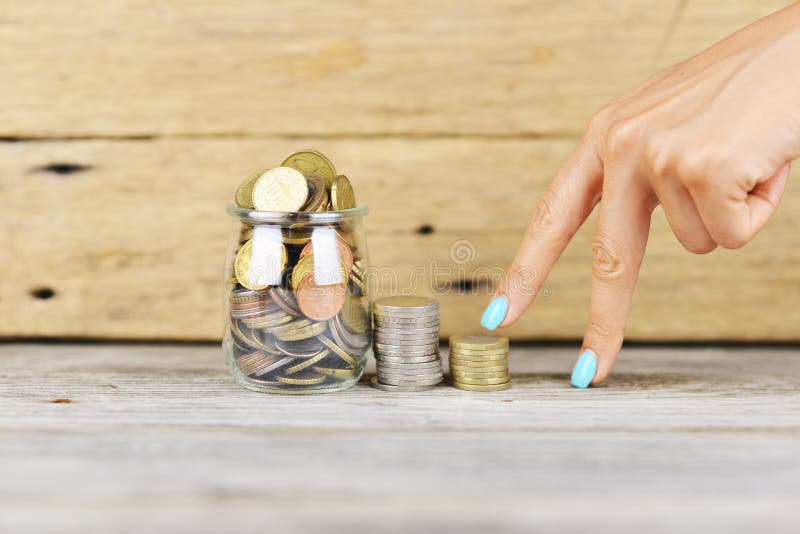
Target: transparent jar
{"points": [[297, 314]]}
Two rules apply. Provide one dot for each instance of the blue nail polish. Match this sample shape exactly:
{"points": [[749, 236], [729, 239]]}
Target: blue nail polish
{"points": [[495, 313], [584, 370]]}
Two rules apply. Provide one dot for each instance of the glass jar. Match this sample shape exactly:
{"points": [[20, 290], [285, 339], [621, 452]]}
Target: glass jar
{"points": [[298, 316]]}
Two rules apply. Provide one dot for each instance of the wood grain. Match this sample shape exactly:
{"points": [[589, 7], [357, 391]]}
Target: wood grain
{"points": [[133, 246], [160, 438], [508, 68]]}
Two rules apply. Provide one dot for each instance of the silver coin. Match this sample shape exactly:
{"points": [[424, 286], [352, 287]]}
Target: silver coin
{"points": [[394, 381], [403, 360], [305, 348], [393, 344], [409, 365], [435, 364], [405, 355], [382, 317], [403, 302], [407, 341], [383, 331], [399, 389], [284, 361], [409, 376]]}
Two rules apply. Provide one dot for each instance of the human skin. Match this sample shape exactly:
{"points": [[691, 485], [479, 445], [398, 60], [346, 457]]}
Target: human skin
{"points": [[710, 139]]}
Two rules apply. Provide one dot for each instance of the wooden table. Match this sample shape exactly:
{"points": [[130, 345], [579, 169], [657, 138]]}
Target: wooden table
{"points": [[154, 438]]}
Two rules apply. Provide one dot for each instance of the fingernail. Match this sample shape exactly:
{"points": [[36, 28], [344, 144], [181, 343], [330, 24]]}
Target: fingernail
{"points": [[584, 370], [495, 313]]}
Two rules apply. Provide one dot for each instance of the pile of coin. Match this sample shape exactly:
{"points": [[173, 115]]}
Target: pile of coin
{"points": [[479, 363], [299, 316], [406, 344]]}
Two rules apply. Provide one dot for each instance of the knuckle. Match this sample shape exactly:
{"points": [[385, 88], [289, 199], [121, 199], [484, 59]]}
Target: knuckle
{"points": [[659, 153], [602, 118], [607, 260], [549, 220], [622, 137]]}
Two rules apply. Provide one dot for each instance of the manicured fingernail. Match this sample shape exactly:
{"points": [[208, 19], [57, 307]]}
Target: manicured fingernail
{"points": [[495, 313], [584, 370]]}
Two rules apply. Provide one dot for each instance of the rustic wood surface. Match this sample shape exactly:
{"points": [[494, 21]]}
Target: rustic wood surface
{"points": [[125, 127], [158, 438]]}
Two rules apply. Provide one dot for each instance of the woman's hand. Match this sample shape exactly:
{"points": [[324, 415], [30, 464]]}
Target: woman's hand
{"points": [[710, 139]]}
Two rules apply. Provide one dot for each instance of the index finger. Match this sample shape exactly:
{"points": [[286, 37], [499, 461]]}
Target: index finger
{"points": [[568, 201]]}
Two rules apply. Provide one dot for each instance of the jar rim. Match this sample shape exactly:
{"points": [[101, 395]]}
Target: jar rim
{"points": [[257, 217]]}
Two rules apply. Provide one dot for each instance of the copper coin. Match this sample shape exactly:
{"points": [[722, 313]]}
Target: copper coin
{"points": [[320, 303]]}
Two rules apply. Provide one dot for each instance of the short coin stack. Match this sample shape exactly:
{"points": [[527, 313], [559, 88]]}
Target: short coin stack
{"points": [[479, 363], [406, 344]]}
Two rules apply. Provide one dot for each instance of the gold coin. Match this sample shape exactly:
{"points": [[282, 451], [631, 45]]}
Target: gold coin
{"points": [[308, 363], [317, 194], [303, 268], [481, 381], [296, 234], [479, 358], [486, 366], [301, 333], [354, 316], [244, 193], [338, 373], [257, 323], [338, 350], [477, 352], [310, 381], [473, 387], [262, 273], [312, 162], [479, 342], [342, 195], [494, 374], [280, 189]]}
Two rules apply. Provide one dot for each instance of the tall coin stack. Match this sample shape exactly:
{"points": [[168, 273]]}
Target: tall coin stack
{"points": [[406, 344], [479, 363]]}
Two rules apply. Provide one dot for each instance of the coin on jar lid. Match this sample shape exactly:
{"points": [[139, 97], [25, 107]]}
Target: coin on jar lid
{"points": [[317, 194], [312, 162], [280, 189], [244, 193], [342, 195]]}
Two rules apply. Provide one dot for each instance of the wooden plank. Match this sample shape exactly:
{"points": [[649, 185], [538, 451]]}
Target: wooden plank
{"points": [[514, 67], [133, 245], [160, 437]]}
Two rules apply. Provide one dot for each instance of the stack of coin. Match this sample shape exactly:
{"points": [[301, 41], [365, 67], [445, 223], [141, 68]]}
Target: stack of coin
{"points": [[299, 317], [406, 344], [479, 363]]}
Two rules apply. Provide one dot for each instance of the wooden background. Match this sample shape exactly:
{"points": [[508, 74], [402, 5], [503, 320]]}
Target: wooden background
{"points": [[125, 127]]}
